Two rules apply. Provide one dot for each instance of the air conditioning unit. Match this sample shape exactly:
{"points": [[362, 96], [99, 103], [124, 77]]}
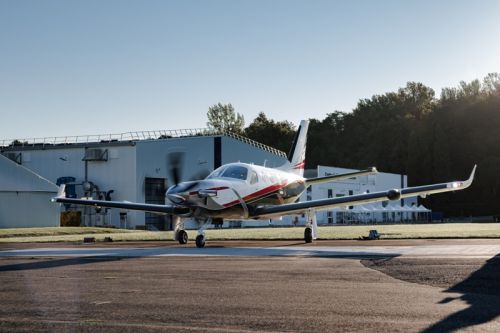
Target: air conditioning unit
{"points": [[95, 154]]}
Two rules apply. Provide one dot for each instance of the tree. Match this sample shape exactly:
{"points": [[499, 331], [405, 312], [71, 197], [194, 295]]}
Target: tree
{"points": [[277, 134], [223, 118]]}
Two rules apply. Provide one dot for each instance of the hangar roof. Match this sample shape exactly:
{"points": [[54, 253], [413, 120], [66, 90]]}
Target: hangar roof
{"points": [[16, 178], [123, 139]]}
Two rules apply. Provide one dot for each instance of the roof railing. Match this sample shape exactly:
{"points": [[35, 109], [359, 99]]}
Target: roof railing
{"points": [[131, 136]]}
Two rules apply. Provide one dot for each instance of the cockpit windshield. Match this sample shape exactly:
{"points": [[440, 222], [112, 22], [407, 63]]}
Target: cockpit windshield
{"points": [[216, 173], [231, 171]]}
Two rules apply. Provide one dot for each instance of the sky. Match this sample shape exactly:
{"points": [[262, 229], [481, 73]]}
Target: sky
{"points": [[95, 67]]}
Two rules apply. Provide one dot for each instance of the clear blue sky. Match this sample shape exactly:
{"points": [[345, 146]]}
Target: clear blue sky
{"points": [[84, 67]]}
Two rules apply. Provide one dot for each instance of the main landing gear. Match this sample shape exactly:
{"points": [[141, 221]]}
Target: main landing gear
{"points": [[180, 234], [311, 231], [308, 235]]}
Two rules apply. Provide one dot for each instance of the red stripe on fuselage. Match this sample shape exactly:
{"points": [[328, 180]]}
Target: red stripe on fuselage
{"points": [[258, 194]]}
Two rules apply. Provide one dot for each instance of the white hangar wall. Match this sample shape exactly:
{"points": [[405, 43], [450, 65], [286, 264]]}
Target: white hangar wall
{"points": [[236, 151], [25, 198], [381, 181], [116, 173]]}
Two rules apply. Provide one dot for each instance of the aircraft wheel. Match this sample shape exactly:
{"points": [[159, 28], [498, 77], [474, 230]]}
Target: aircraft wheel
{"points": [[200, 241], [308, 235], [182, 236]]}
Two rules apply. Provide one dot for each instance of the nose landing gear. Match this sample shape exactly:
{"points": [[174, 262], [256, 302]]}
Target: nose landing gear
{"points": [[200, 241]]}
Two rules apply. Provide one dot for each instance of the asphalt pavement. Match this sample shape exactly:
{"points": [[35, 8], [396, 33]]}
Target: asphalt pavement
{"points": [[395, 286]]}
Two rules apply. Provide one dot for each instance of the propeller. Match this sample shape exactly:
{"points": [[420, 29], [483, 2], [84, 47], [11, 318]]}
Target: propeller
{"points": [[175, 162], [175, 165]]}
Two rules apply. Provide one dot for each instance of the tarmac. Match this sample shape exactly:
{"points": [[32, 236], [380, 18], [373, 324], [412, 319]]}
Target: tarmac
{"points": [[252, 286]]}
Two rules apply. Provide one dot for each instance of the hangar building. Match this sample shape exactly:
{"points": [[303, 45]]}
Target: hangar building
{"points": [[131, 166], [25, 198]]}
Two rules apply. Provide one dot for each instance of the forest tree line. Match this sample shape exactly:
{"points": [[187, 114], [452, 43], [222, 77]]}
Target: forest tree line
{"points": [[409, 131]]}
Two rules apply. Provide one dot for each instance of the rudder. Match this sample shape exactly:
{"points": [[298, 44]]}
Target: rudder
{"points": [[297, 154]]}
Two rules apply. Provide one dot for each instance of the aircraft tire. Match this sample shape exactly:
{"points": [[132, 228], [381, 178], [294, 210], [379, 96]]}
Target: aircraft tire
{"points": [[182, 236], [308, 238], [200, 241]]}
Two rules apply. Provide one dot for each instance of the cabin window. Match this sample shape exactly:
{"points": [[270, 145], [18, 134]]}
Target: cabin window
{"points": [[253, 177], [235, 171]]}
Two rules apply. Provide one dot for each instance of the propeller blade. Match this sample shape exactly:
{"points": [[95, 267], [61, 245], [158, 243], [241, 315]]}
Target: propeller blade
{"points": [[175, 163]]}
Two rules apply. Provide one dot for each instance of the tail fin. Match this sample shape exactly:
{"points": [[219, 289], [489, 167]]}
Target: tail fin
{"points": [[297, 155]]}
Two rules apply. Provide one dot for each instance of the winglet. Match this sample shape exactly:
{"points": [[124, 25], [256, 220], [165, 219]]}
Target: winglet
{"points": [[460, 185], [468, 182], [61, 193]]}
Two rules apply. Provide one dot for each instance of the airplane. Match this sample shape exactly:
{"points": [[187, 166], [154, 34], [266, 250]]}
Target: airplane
{"points": [[248, 191]]}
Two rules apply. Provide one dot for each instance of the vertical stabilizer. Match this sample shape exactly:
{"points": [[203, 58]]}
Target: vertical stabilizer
{"points": [[297, 154]]}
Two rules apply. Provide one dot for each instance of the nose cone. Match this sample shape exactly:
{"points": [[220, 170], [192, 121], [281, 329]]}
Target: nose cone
{"points": [[179, 193]]}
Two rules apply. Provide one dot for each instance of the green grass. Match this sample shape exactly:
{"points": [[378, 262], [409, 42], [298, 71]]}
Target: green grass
{"points": [[402, 231], [53, 231]]}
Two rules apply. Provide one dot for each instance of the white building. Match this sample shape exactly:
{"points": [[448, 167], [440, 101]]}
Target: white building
{"points": [[25, 198], [404, 210], [131, 167]]}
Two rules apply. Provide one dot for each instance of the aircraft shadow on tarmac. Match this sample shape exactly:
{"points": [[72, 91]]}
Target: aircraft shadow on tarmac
{"points": [[52, 258], [481, 290], [45, 264]]}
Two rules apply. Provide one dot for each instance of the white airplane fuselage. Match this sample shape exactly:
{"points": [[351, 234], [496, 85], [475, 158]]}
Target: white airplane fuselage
{"points": [[232, 190]]}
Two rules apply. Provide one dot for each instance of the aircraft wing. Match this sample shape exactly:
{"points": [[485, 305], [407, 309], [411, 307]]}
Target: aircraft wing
{"points": [[331, 178], [159, 209], [395, 194]]}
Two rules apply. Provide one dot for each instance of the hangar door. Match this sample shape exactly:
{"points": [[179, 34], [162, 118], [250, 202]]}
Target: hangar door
{"points": [[155, 194]]}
